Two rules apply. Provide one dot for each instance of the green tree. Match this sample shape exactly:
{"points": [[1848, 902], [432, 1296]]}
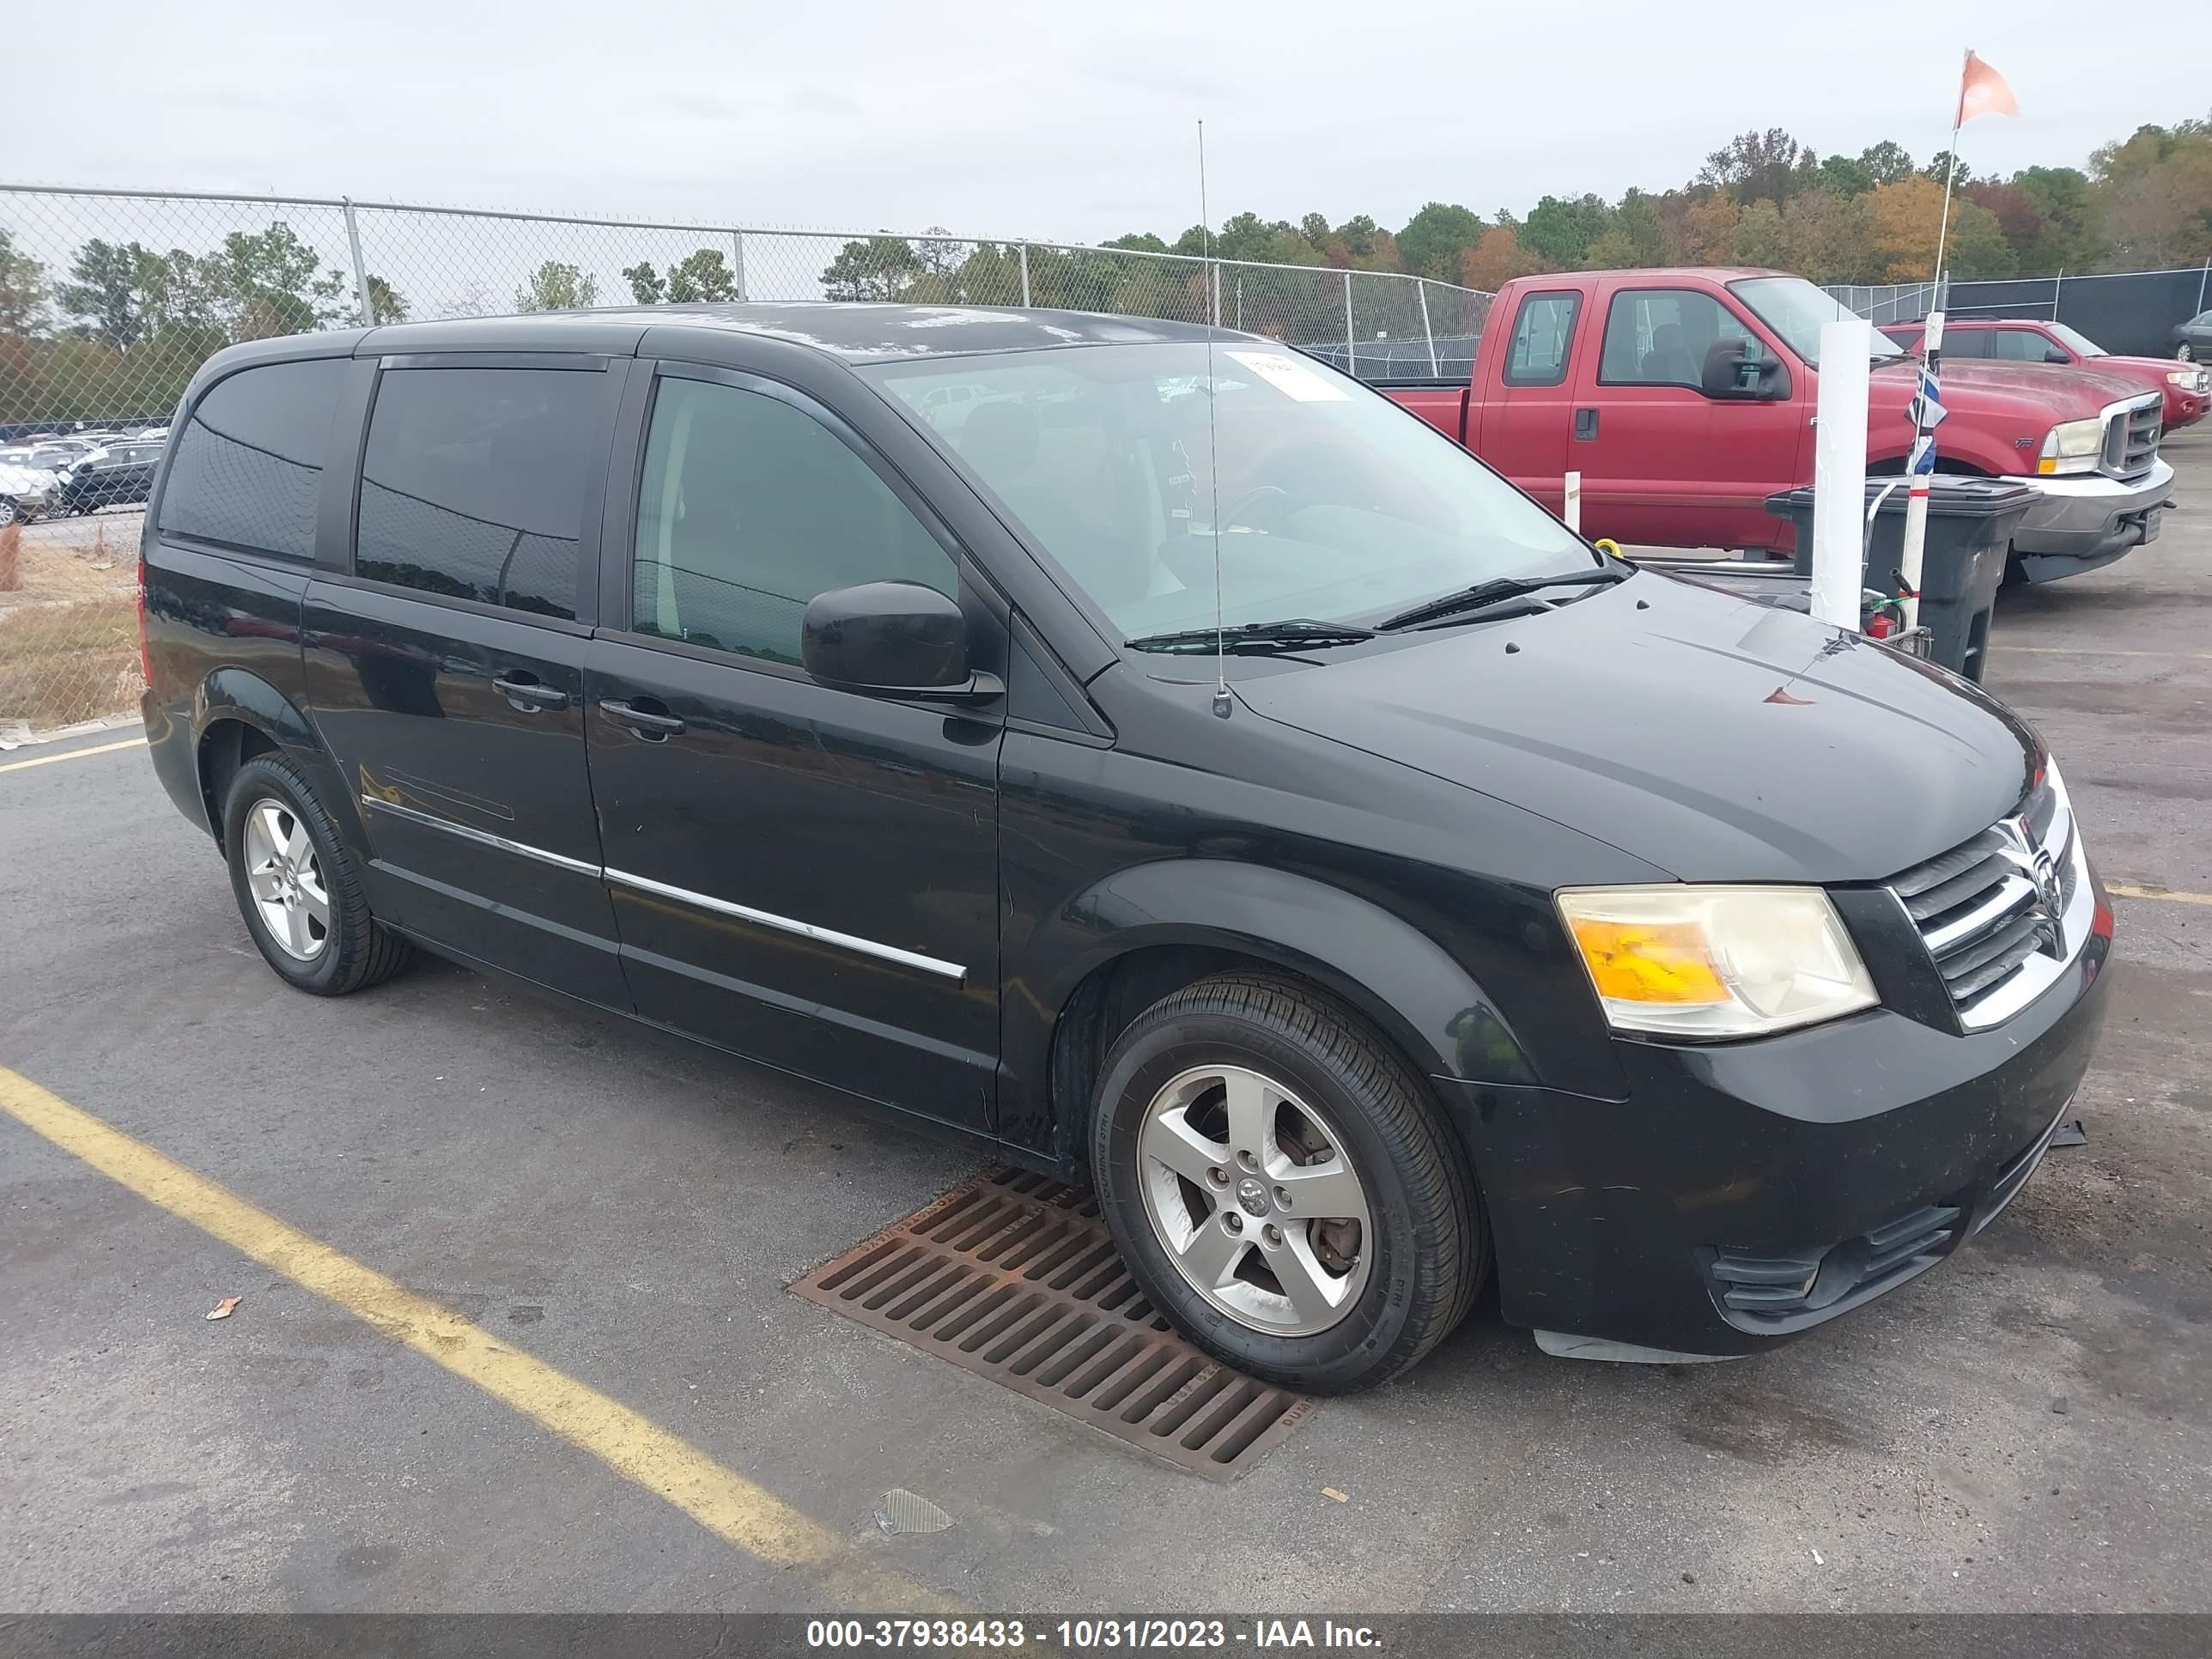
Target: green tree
{"points": [[1433, 239], [1138, 241], [557, 287], [1824, 236], [1760, 238], [647, 286], [1560, 230], [23, 289], [387, 304], [1845, 175], [702, 276], [108, 289], [1886, 163], [1752, 165], [879, 268], [2062, 196]]}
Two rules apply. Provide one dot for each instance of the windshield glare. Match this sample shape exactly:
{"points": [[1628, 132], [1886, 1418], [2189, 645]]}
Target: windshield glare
{"points": [[1333, 505], [1794, 309], [2082, 345]]}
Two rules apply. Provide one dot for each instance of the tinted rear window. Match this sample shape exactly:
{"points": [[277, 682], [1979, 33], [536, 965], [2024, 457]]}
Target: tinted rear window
{"points": [[249, 463], [473, 484]]}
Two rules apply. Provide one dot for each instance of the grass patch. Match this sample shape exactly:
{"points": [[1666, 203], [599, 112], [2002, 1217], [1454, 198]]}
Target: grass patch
{"points": [[60, 664]]}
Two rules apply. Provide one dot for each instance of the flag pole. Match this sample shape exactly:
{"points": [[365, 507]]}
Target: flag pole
{"points": [[1921, 464]]}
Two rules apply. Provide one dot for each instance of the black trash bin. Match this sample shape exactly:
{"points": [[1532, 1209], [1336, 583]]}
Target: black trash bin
{"points": [[1962, 561]]}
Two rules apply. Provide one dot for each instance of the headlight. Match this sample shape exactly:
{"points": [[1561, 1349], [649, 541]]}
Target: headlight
{"points": [[2071, 447], [2190, 379], [1715, 962]]}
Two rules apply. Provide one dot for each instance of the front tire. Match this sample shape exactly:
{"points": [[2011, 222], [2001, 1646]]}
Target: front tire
{"points": [[298, 887], [2186, 352], [1279, 1187]]}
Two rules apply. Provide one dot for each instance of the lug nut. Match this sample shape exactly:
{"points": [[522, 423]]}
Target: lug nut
{"points": [[1247, 1160], [1272, 1233], [1233, 1221], [1219, 1177], [1282, 1199]]}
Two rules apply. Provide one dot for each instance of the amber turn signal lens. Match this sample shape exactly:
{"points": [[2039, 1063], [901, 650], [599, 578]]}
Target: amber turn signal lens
{"points": [[1649, 962]]}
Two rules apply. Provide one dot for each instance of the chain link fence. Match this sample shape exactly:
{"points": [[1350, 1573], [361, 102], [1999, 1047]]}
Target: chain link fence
{"points": [[110, 301]]}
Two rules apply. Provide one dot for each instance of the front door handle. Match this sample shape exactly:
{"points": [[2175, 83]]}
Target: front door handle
{"points": [[653, 725], [525, 690], [1585, 424]]}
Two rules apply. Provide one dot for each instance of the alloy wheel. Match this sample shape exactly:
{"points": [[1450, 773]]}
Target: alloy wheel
{"points": [[1251, 1194], [286, 879], [2186, 352]]}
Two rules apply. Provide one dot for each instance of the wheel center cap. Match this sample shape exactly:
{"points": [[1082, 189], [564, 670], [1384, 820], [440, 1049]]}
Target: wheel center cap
{"points": [[1252, 1195]]}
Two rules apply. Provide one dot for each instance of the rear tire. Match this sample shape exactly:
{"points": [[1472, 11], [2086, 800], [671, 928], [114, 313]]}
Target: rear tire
{"points": [[2186, 352], [297, 886], [1227, 1116]]}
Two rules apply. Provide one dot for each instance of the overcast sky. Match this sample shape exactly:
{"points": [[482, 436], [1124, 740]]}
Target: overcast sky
{"points": [[1072, 119]]}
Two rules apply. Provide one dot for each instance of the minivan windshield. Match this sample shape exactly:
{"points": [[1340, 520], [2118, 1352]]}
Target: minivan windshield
{"points": [[1329, 503], [1794, 309]]}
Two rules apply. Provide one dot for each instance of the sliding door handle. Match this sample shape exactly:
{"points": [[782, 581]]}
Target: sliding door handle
{"points": [[653, 724]]}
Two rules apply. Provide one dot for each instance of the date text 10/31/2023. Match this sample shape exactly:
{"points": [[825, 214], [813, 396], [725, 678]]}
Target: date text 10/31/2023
{"points": [[1088, 1635]]}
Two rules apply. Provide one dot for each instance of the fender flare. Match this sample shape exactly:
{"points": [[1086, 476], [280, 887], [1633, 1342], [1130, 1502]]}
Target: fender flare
{"points": [[238, 694], [1377, 961]]}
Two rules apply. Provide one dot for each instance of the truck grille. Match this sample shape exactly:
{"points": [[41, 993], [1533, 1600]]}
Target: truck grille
{"points": [[2131, 432], [2002, 913]]}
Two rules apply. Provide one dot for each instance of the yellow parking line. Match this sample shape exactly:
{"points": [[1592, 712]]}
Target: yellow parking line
{"points": [[727, 1505], [2125, 890], [74, 754]]}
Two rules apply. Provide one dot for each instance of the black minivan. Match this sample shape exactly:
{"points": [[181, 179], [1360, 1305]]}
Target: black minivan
{"points": [[1151, 756]]}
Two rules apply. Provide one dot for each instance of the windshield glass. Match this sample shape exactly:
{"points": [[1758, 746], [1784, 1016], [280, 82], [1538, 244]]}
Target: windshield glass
{"points": [[1794, 309], [1334, 506], [2081, 343]]}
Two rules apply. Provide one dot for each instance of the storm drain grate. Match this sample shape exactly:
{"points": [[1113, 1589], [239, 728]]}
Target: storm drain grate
{"points": [[1013, 1276]]}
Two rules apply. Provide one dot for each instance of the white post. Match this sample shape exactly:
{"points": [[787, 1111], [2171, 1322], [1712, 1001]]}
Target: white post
{"points": [[1025, 275], [1351, 346], [360, 271], [1916, 494], [1570, 511], [1421, 288], [738, 254], [1839, 472]]}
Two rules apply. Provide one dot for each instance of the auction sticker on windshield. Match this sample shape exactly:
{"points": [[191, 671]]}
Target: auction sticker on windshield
{"points": [[1289, 376]]}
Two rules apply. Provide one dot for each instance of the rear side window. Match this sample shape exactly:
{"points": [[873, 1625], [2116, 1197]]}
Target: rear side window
{"points": [[473, 484], [1542, 333], [750, 508], [249, 463]]}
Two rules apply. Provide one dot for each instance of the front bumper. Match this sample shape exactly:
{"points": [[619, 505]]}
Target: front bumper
{"points": [[2092, 517], [1863, 1151]]}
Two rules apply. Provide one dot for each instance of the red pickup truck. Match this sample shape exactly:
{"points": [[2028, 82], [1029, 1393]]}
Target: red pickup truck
{"points": [[2186, 387], [1686, 398]]}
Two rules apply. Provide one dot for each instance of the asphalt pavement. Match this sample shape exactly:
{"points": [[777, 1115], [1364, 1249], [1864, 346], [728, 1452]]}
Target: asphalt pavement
{"points": [[2028, 1427]]}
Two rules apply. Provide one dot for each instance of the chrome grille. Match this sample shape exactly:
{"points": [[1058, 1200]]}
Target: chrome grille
{"points": [[2001, 914], [2132, 434]]}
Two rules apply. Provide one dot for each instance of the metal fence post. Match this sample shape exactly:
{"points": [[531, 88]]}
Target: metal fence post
{"points": [[1421, 288], [360, 271], [2203, 276], [1217, 294], [2058, 288], [738, 253], [1350, 347], [1025, 275]]}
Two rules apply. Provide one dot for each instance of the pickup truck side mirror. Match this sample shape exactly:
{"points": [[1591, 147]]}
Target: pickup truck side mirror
{"points": [[2056, 355], [1736, 372], [895, 639]]}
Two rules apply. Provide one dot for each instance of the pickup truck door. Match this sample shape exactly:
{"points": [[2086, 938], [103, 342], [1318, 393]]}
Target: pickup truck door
{"points": [[801, 873], [1662, 462], [1525, 418]]}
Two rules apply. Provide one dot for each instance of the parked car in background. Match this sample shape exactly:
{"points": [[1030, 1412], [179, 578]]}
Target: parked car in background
{"points": [[1472, 898], [117, 476], [25, 486], [2192, 340], [1686, 398], [2187, 389]]}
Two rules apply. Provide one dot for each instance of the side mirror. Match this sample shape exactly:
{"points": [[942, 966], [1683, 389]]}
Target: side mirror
{"points": [[2055, 356], [899, 639], [1734, 374]]}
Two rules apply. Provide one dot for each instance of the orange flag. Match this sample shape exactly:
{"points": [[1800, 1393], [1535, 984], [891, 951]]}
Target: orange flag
{"points": [[1983, 91]]}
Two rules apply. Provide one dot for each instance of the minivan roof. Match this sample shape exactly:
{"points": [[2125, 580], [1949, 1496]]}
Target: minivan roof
{"points": [[854, 331]]}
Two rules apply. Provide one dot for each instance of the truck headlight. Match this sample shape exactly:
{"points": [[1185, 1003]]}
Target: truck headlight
{"points": [[2071, 447], [1715, 962], [2190, 379]]}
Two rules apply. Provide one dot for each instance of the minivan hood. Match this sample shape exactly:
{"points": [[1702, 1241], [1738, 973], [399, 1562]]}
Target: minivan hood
{"points": [[1717, 737]]}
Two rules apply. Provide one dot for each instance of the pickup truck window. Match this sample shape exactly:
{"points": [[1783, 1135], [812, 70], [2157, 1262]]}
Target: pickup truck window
{"points": [[250, 461], [1332, 506], [750, 508], [1794, 309], [1543, 331], [1661, 337], [473, 484]]}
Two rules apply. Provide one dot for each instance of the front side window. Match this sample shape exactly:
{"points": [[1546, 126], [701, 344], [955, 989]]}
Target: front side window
{"points": [[473, 484], [1663, 336], [2018, 345], [2082, 345], [1129, 466], [249, 463], [750, 508], [1543, 330]]}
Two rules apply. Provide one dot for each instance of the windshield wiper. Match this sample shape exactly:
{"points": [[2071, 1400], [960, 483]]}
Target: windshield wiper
{"points": [[1489, 592], [1287, 635]]}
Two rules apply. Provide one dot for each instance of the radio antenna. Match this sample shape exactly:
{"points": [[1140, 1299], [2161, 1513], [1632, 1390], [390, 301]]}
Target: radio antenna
{"points": [[1221, 702]]}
